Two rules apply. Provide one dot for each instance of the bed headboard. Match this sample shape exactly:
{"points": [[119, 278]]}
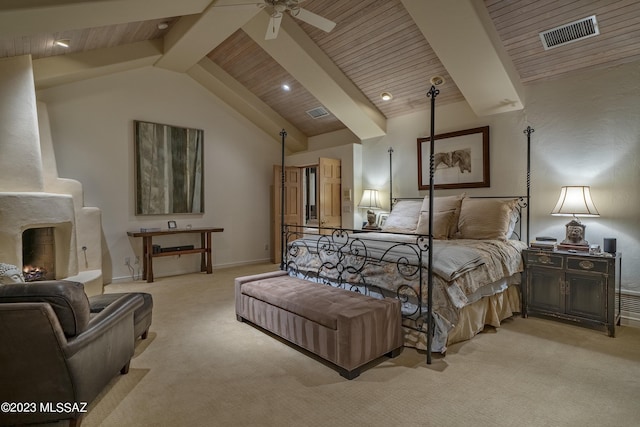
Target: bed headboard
{"points": [[510, 212], [524, 202]]}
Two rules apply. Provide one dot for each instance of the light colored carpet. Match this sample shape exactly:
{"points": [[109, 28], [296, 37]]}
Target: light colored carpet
{"points": [[201, 367]]}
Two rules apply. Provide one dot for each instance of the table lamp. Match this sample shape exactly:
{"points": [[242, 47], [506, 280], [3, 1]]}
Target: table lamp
{"points": [[575, 201], [371, 202]]}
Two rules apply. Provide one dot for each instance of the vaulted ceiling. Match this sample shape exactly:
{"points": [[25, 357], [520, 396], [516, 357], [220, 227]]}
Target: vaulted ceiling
{"points": [[485, 51]]}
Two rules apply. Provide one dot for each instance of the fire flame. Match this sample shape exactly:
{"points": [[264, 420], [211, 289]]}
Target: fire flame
{"points": [[33, 273]]}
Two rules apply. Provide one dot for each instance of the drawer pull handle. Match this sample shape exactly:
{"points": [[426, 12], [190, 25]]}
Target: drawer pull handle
{"points": [[587, 265], [544, 259]]}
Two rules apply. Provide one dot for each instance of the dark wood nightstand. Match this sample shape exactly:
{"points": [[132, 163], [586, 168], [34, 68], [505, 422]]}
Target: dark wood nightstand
{"points": [[577, 287]]}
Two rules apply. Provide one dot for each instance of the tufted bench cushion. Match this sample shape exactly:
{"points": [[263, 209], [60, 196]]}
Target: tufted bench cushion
{"points": [[343, 327]]}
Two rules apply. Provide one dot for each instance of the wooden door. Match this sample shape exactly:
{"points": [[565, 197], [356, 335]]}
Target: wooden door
{"points": [[292, 205], [330, 189]]}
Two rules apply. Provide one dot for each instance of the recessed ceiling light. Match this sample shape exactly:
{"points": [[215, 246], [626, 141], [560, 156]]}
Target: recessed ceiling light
{"points": [[286, 87], [62, 42], [163, 26], [386, 96], [437, 80]]}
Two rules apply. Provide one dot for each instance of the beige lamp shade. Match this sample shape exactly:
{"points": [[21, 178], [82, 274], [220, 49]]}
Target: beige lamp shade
{"points": [[575, 201], [370, 200]]}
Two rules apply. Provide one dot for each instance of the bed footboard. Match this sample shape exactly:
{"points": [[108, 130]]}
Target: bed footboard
{"points": [[364, 263]]}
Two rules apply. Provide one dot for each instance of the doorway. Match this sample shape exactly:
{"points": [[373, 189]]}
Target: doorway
{"points": [[310, 195], [312, 198]]}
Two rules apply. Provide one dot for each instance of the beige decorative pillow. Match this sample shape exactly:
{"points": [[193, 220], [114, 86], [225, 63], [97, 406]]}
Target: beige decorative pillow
{"points": [[403, 218], [441, 224], [446, 204], [485, 218]]}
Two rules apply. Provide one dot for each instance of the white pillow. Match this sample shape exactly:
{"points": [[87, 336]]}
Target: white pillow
{"points": [[485, 219], [513, 220], [442, 222], [446, 204], [403, 218]]}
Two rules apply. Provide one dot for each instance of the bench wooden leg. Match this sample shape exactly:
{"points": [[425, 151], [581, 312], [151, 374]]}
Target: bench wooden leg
{"points": [[349, 374], [125, 368]]}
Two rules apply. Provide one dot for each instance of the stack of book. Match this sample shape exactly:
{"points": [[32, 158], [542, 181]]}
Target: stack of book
{"points": [[544, 243], [573, 248]]}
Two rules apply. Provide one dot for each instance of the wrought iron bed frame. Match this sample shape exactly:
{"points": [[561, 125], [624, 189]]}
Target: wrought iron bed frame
{"points": [[340, 242], [346, 256]]}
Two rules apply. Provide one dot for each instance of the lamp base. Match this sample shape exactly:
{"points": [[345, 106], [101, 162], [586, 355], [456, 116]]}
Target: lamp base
{"points": [[575, 234], [371, 220]]}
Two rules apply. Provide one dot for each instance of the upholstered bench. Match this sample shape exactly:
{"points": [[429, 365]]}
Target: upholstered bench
{"points": [[343, 327], [141, 316]]}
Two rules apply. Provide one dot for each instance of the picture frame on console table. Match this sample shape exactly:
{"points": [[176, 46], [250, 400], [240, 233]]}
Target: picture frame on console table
{"points": [[461, 159]]}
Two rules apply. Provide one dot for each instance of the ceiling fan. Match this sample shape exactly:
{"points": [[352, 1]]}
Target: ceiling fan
{"points": [[278, 9], [293, 7]]}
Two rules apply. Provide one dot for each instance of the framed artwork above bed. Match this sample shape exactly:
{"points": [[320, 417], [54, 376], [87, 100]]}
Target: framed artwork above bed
{"points": [[461, 159]]}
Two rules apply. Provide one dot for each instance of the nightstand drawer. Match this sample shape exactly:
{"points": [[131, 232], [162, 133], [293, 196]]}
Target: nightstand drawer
{"points": [[545, 259], [592, 265]]}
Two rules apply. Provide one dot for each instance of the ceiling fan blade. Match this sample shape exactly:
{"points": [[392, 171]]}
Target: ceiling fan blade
{"points": [[274, 26], [247, 3], [313, 19]]}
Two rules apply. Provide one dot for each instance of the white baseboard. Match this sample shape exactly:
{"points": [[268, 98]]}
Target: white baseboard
{"points": [[629, 321], [243, 263], [176, 273]]}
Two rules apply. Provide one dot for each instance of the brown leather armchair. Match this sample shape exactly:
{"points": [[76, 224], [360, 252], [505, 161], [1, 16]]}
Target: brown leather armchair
{"points": [[53, 351]]}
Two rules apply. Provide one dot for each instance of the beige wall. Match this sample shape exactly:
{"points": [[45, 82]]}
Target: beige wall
{"points": [[92, 132], [587, 132]]}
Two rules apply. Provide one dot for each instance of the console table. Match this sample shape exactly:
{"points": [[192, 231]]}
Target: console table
{"points": [[206, 263]]}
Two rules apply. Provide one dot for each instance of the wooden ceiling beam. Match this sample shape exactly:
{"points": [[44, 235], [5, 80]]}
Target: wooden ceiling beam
{"points": [[27, 17], [466, 42], [63, 69], [243, 102], [294, 50], [194, 36]]}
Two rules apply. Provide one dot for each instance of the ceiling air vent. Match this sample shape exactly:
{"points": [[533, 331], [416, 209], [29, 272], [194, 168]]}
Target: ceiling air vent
{"points": [[318, 112], [569, 33]]}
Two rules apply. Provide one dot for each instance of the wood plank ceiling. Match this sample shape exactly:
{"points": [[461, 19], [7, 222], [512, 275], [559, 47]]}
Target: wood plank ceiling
{"points": [[519, 22], [376, 44]]}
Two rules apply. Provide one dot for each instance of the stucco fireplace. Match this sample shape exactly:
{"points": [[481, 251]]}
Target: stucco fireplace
{"points": [[32, 196]]}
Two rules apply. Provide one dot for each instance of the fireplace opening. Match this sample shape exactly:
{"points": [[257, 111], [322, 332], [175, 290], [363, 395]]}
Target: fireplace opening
{"points": [[38, 254]]}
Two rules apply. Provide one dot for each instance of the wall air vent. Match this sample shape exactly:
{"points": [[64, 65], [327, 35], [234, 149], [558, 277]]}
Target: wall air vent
{"points": [[317, 112], [569, 33], [629, 304]]}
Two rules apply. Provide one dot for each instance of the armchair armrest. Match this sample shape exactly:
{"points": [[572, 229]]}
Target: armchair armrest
{"points": [[120, 310], [104, 349]]}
